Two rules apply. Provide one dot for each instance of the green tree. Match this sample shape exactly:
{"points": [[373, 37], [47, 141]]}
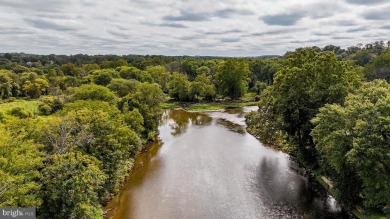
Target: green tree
{"points": [[307, 82], [179, 87], [160, 75], [35, 88], [147, 99], [93, 92], [135, 73], [353, 141], [122, 87], [189, 67], [379, 68], [263, 70], [70, 186], [232, 78], [201, 87], [5, 86], [70, 69]]}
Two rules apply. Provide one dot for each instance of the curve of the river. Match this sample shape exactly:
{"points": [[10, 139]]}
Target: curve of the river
{"points": [[207, 166]]}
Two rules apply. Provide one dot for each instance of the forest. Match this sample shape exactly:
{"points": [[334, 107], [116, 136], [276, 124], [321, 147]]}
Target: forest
{"points": [[71, 126]]}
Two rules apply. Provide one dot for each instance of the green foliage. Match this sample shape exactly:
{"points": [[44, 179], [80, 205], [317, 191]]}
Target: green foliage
{"points": [[160, 75], [35, 88], [21, 112], [201, 87], [93, 92], [20, 161], [70, 69], [353, 141], [232, 78], [70, 186], [5, 85], [265, 125], [45, 109], [122, 87], [135, 73], [179, 87], [147, 99], [379, 68], [189, 67], [306, 83], [134, 120], [362, 57], [263, 70], [259, 87]]}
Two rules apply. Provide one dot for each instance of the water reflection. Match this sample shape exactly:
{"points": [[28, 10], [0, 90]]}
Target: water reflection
{"points": [[179, 120]]}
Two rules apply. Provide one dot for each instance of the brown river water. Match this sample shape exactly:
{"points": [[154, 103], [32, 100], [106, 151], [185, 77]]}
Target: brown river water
{"points": [[207, 166]]}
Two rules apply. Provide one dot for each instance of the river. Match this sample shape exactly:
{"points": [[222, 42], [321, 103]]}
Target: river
{"points": [[207, 166]]}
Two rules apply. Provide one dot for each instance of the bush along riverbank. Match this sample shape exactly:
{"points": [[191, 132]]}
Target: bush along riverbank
{"points": [[336, 125]]}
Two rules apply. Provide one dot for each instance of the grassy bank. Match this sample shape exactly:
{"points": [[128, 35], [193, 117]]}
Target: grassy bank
{"points": [[206, 106], [249, 99]]}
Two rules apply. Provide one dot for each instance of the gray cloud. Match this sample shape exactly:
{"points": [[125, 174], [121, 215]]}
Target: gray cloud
{"points": [[346, 23], [277, 32], [46, 24], [282, 19], [223, 32], [341, 38], [187, 16], [377, 14], [230, 40], [175, 25], [297, 12], [357, 29], [386, 27], [366, 2], [165, 24], [229, 12], [323, 34], [305, 41], [42, 5]]}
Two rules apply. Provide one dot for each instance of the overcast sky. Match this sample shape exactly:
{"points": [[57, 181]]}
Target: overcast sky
{"points": [[188, 27]]}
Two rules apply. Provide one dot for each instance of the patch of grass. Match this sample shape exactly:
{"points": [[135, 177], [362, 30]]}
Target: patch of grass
{"points": [[169, 105], [204, 107], [254, 103], [249, 96], [217, 106], [31, 105]]}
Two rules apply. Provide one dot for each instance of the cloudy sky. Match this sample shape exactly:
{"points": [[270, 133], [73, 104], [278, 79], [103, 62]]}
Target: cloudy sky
{"points": [[188, 27]]}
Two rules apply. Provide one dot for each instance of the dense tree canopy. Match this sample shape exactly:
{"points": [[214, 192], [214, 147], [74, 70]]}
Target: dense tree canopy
{"points": [[353, 141]]}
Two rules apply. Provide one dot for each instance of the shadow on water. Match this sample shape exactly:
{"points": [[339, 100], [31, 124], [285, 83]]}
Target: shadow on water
{"points": [[231, 126], [283, 190]]}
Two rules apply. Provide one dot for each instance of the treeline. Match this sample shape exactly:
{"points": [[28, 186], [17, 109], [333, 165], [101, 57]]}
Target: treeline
{"points": [[189, 80], [334, 117]]}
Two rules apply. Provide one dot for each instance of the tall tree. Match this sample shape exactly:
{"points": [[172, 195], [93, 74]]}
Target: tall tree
{"points": [[232, 78], [353, 140]]}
